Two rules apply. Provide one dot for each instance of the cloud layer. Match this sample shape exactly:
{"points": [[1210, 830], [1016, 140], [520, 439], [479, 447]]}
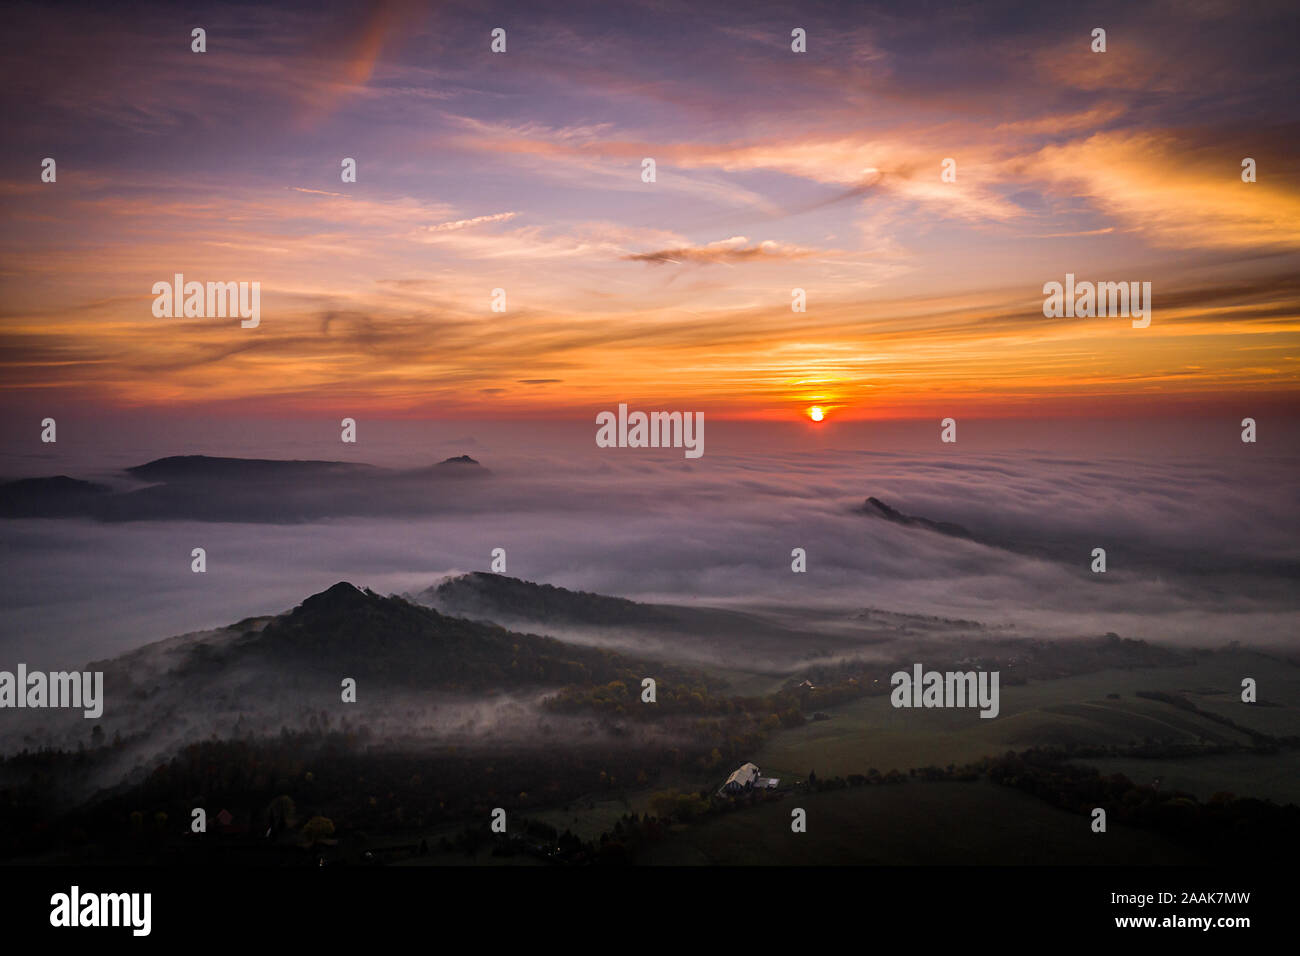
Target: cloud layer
{"points": [[1200, 547]]}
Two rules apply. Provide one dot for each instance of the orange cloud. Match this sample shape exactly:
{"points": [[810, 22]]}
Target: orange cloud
{"points": [[733, 250]]}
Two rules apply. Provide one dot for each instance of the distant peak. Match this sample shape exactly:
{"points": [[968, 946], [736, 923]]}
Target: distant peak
{"points": [[179, 467], [878, 509], [478, 580], [53, 483], [458, 460], [342, 595], [875, 504]]}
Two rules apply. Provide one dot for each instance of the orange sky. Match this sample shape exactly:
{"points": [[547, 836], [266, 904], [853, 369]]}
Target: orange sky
{"points": [[523, 172]]}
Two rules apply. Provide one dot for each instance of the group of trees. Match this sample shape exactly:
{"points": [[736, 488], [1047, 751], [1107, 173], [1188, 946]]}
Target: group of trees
{"points": [[1224, 829]]}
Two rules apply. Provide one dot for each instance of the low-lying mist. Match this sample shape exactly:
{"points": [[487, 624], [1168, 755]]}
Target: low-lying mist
{"points": [[1198, 551]]}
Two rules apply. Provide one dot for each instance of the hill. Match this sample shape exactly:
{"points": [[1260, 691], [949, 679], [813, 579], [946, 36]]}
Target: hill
{"points": [[875, 508], [734, 643], [58, 496], [205, 488]]}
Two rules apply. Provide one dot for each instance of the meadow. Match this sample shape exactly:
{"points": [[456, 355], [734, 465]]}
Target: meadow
{"points": [[1070, 711], [914, 823]]}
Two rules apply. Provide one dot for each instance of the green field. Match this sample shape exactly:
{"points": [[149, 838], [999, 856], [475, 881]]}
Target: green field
{"points": [[911, 823], [589, 818], [1073, 710], [952, 822], [1273, 777], [921, 822]]}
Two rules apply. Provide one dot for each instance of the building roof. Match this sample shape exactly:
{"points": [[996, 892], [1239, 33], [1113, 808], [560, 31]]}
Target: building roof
{"points": [[745, 774]]}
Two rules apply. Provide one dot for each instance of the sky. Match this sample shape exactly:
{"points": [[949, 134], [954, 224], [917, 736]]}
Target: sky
{"points": [[774, 171], [522, 171]]}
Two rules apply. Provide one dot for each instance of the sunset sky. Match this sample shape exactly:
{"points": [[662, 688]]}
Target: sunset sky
{"points": [[775, 170]]}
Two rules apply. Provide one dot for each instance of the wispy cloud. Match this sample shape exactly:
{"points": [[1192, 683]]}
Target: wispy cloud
{"points": [[725, 251], [820, 171], [476, 221]]}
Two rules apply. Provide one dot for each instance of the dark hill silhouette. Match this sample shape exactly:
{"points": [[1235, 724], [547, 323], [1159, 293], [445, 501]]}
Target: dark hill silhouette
{"points": [[54, 497], [413, 666], [206, 468], [423, 680], [878, 509], [461, 466], [205, 488], [385, 643], [351, 632], [689, 634], [498, 596]]}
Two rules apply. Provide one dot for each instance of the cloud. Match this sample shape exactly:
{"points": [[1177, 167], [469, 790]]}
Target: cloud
{"points": [[419, 348], [727, 251], [476, 221], [1174, 192], [1200, 543], [827, 164]]}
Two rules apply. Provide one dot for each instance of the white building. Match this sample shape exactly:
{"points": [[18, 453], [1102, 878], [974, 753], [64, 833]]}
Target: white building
{"points": [[746, 777], [741, 779]]}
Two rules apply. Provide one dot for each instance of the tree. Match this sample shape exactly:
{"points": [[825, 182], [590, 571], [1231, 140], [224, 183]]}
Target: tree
{"points": [[317, 828], [281, 811]]}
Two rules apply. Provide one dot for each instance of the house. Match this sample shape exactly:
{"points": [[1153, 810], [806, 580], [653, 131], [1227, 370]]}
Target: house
{"points": [[747, 778], [741, 779]]}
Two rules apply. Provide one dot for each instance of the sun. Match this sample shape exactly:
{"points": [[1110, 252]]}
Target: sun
{"points": [[816, 413]]}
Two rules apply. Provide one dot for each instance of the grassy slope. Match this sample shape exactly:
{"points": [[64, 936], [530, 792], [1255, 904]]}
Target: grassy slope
{"points": [[911, 823], [954, 823], [871, 733]]}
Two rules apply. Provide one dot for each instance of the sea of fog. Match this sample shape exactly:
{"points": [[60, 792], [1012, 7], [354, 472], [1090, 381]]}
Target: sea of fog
{"points": [[1199, 529]]}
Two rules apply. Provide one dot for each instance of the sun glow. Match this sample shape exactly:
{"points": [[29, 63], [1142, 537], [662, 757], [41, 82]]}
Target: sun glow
{"points": [[816, 413]]}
